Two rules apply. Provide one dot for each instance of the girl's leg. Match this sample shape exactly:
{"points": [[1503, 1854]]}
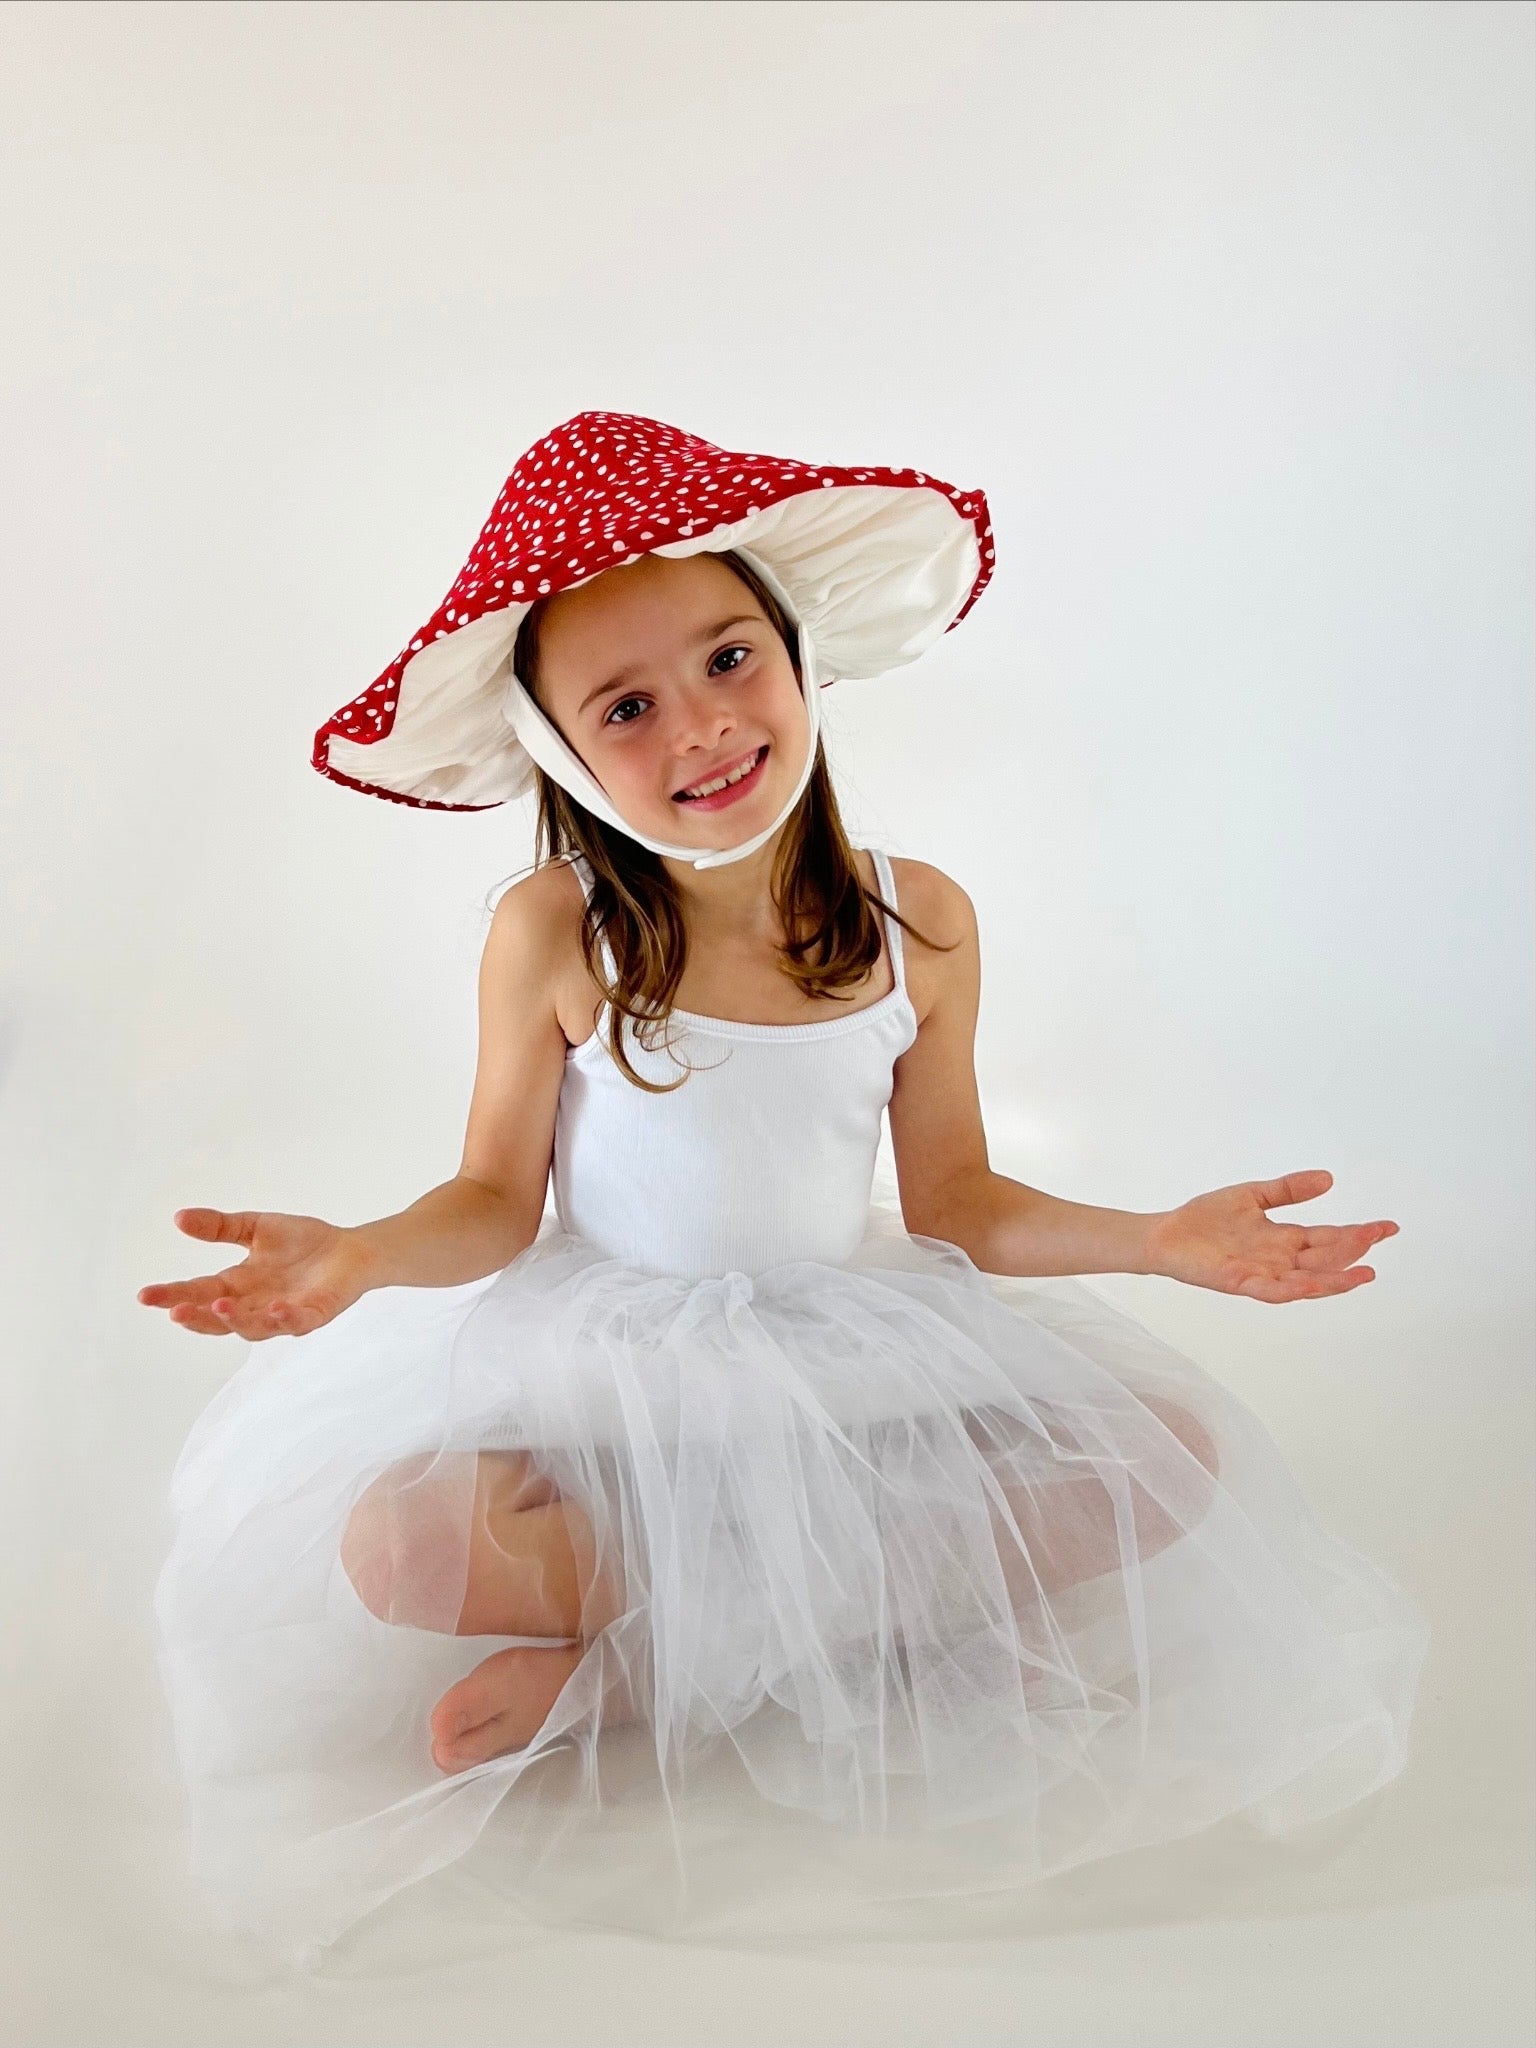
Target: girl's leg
{"points": [[531, 1569], [1061, 1533]]}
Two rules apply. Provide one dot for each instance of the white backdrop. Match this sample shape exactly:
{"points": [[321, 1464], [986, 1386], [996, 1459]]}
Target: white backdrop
{"points": [[1228, 308]]}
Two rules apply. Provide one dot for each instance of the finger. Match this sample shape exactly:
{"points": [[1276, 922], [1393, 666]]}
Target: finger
{"points": [[201, 1321], [1293, 1187], [1367, 1233], [201, 1291], [290, 1318], [298, 1315], [1331, 1247], [209, 1307], [1306, 1286], [280, 1316], [218, 1226], [246, 1315]]}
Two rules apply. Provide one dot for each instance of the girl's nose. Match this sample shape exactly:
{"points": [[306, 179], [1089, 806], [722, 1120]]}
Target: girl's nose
{"points": [[700, 727]]}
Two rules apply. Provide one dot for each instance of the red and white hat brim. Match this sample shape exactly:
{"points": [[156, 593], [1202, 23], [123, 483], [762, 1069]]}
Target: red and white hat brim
{"points": [[875, 566]]}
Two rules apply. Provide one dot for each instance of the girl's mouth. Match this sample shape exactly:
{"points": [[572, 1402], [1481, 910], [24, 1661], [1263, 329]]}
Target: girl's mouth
{"points": [[720, 799]]}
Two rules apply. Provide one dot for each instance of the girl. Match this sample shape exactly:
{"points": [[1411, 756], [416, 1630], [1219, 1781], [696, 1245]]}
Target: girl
{"points": [[724, 1496]]}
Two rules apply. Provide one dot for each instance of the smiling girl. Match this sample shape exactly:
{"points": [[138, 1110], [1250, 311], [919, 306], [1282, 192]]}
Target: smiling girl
{"points": [[722, 1488]]}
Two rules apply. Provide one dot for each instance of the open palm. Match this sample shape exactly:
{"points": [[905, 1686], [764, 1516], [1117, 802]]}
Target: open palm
{"points": [[1224, 1240], [299, 1272]]}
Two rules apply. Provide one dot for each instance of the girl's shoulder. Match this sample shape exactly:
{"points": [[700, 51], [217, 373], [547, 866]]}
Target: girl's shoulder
{"points": [[939, 943], [535, 929], [933, 900], [553, 900], [543, 900]]}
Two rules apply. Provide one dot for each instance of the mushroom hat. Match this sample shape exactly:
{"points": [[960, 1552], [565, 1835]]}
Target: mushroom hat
{"points": [[872, 565]]}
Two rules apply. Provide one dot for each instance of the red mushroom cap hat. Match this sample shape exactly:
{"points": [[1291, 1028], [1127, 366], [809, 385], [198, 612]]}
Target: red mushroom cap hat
{"points": [[874, 565]]}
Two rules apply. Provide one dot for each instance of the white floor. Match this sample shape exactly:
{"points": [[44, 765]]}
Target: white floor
{"points": [[1407, 1920]]}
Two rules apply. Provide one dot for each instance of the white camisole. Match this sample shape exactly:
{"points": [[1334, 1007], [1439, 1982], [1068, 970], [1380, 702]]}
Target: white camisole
{"points": [[765, 1153]]}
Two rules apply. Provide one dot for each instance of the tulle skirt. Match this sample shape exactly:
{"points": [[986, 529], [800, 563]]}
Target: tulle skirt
{"points": [[892, 1580]]}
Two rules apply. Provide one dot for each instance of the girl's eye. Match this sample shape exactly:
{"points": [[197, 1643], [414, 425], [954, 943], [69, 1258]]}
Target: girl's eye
{"points": [[613, 718]]}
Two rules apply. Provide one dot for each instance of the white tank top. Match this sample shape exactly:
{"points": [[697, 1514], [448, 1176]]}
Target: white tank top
{"points": [[765, 1153]]}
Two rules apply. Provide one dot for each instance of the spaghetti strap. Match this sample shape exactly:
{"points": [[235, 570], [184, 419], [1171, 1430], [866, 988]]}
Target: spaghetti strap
{"points": [[584, 875], [892, 928]]}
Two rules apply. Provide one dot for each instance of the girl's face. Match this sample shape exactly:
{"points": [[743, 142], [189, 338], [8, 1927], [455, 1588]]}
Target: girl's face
{"points": [[665, 674]]}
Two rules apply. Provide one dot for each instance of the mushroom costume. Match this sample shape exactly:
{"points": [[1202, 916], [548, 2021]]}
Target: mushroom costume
{"points": [[873, 565], [734, 1561]]}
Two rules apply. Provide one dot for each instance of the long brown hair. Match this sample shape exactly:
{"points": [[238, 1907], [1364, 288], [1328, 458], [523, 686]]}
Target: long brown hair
{"points": [[832, 937]]}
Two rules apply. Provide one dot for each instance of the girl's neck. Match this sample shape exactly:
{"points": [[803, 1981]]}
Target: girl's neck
{"points": [[737, 896]]}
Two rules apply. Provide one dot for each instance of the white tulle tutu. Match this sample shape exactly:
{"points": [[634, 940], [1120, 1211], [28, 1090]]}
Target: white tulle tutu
{"points": [[849, 1503]]}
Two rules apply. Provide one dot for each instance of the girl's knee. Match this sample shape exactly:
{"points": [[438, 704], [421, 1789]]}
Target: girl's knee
{"points": [[367, 1554], [404, 1545], [1182, 1496], [1188, 1428]]}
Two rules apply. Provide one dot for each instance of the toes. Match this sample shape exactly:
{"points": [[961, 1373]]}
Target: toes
{"points": [[500, 1706], [465, 1732], [459, 1743]]}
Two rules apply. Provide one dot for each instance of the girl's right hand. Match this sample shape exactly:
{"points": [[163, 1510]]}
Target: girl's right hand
{"points": [[300, 1272]]}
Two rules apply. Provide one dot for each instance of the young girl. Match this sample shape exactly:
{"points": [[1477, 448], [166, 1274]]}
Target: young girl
{"points": [[727, 1505]]}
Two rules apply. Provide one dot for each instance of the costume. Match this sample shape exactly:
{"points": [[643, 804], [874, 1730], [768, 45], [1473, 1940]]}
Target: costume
{"points": [[917, 1580]]}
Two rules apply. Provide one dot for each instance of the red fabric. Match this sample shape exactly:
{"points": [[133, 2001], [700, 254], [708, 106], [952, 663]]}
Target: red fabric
{"points": [[599, 490]]}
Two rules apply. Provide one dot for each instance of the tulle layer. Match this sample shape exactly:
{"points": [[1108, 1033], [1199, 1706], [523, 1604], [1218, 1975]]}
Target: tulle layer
{"points": [[936, 1581]]}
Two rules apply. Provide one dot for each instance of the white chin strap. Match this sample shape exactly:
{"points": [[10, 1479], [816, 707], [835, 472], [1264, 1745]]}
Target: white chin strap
{"points": [[544, 745]]}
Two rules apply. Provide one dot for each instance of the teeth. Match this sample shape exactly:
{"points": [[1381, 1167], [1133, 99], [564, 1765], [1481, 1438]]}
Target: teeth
{"points": [[723, 781]]}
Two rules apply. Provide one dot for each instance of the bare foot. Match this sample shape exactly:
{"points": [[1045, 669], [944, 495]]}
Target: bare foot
{"points": [[501, 1705]]}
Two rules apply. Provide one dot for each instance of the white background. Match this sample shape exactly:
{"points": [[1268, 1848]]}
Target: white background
{"points": [[1228, 309]]}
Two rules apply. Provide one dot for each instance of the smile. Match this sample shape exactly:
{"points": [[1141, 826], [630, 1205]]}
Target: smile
{"points": [[716, 791]]}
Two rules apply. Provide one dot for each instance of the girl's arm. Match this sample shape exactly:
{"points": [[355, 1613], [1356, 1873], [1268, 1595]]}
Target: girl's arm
{"points": [[300, 1272], [490, 1211], [1222, 1240], [948, 1189]]}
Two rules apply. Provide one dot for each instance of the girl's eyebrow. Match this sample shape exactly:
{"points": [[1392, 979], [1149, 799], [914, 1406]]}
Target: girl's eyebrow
{"points": [[621, 676]]}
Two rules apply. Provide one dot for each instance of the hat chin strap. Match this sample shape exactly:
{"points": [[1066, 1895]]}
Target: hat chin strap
{"points": [[544, 745]]}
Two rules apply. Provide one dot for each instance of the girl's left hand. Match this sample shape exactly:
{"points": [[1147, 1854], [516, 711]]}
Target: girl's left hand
{"points": [[1225, 1241]]}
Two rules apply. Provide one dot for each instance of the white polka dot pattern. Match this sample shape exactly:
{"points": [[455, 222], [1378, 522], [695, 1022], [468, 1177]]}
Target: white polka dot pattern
{"points": [[598, 491]]}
